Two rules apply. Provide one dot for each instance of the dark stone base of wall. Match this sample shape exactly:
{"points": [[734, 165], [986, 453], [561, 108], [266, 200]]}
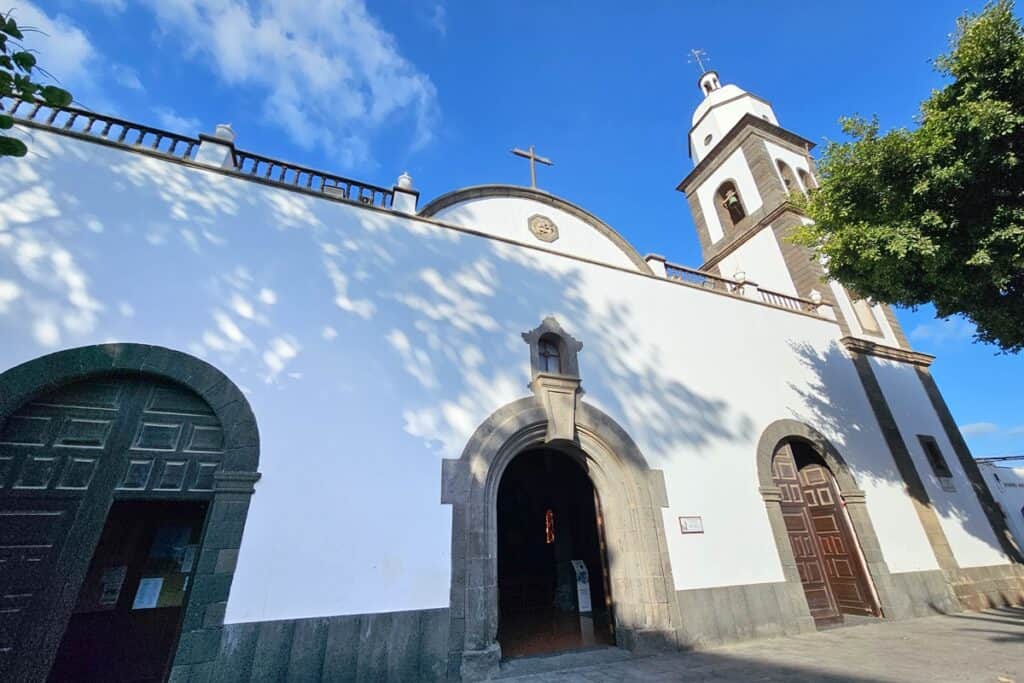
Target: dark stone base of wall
{"points": [[1000, 585], [392, 646], [413, 645], [725, 614], [922, 594]]}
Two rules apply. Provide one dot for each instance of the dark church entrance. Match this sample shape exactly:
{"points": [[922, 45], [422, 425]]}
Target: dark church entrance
{"points": [[127, 618], [553, 591], [824, 545]]}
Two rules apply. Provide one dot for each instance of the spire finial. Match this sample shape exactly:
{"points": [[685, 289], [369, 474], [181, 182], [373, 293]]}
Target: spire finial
{"points": [[698, 57]]}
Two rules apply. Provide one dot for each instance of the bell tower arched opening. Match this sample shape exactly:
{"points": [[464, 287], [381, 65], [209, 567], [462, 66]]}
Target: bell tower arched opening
{"points": [[553, 588], [825, 547]]}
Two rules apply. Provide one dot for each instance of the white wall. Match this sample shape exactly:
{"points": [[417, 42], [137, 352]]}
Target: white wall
{"points": [[1007, 487], [761, 259], [725, 108], [371, 345], [736, 169], [970, 535], [508, 217], [842, 298]]}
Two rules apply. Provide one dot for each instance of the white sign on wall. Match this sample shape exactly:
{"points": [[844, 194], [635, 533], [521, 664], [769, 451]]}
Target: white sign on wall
{"points": [[691, 524], [582, 586]]}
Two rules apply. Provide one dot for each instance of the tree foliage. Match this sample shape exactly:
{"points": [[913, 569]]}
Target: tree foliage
{"points": [[18, 69], [936, 214]]}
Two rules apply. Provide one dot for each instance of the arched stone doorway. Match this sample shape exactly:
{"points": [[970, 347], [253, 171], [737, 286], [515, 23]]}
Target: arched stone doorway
{"points": [[821, 524], [553, 588], [126, 477], [825, 549], [644, 606]]}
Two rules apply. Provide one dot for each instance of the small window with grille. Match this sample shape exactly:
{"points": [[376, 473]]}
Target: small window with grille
{"points": [[937, 461]]}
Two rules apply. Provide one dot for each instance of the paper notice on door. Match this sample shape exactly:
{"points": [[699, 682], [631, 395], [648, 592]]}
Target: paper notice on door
{"points": [[188, 558], [110, 585], [148, 593]]}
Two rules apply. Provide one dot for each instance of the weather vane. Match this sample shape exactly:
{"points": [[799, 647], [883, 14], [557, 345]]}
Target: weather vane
{"points": [[698, 57]]}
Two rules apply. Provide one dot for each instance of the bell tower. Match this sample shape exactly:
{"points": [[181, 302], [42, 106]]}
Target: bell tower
{"points": [[746, 168]]}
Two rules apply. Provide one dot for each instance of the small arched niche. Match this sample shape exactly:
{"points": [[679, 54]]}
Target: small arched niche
{"points": [[806, 180], [788, 179], [729, 205]]}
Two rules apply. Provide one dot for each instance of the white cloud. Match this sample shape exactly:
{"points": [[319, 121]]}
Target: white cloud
{"points": [[979, 428], [944, 330], [64, 50], [329, 73], [126, 77], [437, 19], [1016, 431], [111, 6], [172, 121]]}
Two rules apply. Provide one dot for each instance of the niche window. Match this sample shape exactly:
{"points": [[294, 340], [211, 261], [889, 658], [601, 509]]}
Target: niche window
{"points": [[865, 313], [806, 180], [788, 179], [552, 350], [729, 205], [550, 358], [937, 461]]}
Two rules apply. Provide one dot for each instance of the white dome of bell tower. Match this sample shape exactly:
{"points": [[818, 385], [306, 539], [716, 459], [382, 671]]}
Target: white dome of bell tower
{"points": [[721, 110]]}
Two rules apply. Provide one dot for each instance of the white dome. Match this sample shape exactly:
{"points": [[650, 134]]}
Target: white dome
{"points": [[726, 92]]}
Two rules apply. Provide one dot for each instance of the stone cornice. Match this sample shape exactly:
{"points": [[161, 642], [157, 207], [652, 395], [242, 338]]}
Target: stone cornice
{"points": [[871, 348], [745, 126]]}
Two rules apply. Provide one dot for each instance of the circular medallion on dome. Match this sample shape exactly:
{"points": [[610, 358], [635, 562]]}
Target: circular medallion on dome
{"points": [[543, 228]]}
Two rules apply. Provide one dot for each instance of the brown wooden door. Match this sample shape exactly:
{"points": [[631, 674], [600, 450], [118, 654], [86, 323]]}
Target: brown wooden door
{"points": [[799, 526], [64, 458], [835, 542], [55, 464]]}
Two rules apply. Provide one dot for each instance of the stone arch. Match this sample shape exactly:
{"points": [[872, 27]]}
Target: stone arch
{"points": [[455, 197], [730, 205], [234, 480], [631, 494], [892, 602]]}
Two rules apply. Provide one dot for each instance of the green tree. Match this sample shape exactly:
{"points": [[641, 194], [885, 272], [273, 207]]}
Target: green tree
{"points": [[18, 71], [936, 214]]}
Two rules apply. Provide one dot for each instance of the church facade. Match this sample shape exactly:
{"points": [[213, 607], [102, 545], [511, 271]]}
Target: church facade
{"points": [[261, 422]]}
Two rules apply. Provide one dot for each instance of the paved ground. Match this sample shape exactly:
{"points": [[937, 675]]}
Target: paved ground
{"points": [[973, 646]]}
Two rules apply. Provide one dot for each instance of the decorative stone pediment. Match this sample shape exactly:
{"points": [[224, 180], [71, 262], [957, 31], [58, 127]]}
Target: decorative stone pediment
{"points": [[557, 388], [568, 347], [558, 395]]}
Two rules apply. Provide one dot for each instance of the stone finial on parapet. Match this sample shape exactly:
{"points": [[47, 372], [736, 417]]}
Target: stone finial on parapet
{"points": [[822, 307], [217, 149], [657, 264], [404, 197]]}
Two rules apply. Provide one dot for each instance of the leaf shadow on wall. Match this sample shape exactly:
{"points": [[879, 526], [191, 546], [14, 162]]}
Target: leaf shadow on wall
{"points": [[853, 429]]}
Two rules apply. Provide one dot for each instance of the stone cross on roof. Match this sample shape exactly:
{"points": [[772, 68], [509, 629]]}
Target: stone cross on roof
{"points": [[533, 159]]}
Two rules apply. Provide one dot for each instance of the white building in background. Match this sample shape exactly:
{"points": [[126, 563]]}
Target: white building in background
{"points": [[1007, 486], [261, 421]]}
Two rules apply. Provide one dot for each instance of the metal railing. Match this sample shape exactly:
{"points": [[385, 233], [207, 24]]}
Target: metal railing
{"points": [[138, 136], [702, 279], [259, 166], [794, 303], [110, 128]]}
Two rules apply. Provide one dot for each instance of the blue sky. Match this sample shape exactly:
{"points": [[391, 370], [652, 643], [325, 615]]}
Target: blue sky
{"points": [[445, 89]]}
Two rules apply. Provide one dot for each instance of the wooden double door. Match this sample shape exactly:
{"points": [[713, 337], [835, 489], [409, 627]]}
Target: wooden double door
{"points": [[824, 546], [66, 458]]}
